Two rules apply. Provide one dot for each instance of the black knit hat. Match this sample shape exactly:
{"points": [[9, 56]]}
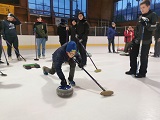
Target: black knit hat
{"points": [[63, 21], [81, 13], [74, 19]]}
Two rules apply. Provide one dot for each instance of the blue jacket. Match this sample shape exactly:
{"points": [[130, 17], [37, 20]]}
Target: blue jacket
{"points": [[111, 33], [59, 57]]}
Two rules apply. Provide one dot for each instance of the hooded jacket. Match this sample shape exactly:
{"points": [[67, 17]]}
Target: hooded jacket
{"points": [[43, 28], [83, 29], [59, 57], [9, 28]]}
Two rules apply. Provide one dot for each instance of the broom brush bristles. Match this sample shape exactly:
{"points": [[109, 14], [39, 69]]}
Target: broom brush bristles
{"points": [[98, 70], [107, 93]]}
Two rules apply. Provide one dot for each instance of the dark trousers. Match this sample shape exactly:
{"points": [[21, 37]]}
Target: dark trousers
{"points": [[82, 52], [0, 47], [126, 48], [157, 48], [143, 58], [12, 41], [62, 42], [72, 64], [111, 41]]}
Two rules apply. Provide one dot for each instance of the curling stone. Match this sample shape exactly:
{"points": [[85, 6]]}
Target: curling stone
{"points": [[64, 92]]}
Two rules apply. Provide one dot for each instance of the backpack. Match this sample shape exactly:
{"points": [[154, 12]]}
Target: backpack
{"points": [[40, 31]]}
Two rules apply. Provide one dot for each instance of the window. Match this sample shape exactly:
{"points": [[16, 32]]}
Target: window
{"points": [[67, 8], [129, 9], [61, 8], [40, 7]]}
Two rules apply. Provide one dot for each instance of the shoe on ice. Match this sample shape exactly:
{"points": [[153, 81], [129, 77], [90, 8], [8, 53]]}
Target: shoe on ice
{"points": [[10, 58], [130, 73], [19, 58], [72, 83], [44, 70], [1, 62], [140, 76]]}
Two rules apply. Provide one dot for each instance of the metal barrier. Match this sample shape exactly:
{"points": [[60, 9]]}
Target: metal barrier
{"points": [[26, 28]]}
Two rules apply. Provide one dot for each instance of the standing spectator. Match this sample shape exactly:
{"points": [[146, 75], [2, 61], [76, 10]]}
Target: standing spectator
{"points": [[147, 20], [62, 31], [10, 35], [41, 36], [82, 32], [157, 42], [1, 62], [73, 30], [111, 35], [128, 37]]}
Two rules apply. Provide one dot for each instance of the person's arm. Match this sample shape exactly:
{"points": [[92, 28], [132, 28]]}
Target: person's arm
{"points": [[3, 30], [86, 31], [17, 22], [151, 26]]}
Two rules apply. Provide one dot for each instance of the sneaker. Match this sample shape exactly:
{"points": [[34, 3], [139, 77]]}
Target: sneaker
{"points": [[19, 58], [10, 58], [44, 70], [140, 76], [1, 62], [72, 83], [130, 73], [43, 57], [39, 57]]}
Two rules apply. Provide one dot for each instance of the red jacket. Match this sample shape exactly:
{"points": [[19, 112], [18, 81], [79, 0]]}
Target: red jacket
{"points": [[128, 35]]}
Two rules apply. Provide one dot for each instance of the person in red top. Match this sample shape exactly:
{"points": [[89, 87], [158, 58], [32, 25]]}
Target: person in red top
{"points": [[128, 37]]}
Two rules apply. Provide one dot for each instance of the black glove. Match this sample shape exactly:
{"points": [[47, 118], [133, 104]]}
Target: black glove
{"points": [[63, 83], [144, 21], [4, 37], [80, 65]]}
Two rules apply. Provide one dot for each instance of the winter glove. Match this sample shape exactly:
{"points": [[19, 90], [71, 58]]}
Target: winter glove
{"points": [[144, 21], [4, 38], [63, 83]]}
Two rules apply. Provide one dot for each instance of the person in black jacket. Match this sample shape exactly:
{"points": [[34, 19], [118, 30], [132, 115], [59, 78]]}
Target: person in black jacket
{"points": [[157, 41], [40, 30], [1, 62], [65, 53], [82, 32], [10, 35], [62, 31], [148, 21], [73, 29]]}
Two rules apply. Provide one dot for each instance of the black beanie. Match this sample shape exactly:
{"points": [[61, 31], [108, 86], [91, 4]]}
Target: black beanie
{"points": [[81, 13]]}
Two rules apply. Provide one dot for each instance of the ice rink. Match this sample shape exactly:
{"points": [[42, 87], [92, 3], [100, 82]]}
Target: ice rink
{"points": [[30, 95]]}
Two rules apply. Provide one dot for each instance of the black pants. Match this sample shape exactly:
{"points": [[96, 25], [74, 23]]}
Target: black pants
{"points": [[0, 47], [111, 41], [143, 58], [12, 41], [72, 64], [157, 48], [82, 52], [62, 42]]}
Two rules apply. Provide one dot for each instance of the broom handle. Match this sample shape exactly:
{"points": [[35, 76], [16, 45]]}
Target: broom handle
{"points": [[88, 55], [90, 76]]}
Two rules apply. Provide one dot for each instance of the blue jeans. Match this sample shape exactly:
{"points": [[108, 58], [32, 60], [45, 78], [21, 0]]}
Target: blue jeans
{"points": [[39, 42]]}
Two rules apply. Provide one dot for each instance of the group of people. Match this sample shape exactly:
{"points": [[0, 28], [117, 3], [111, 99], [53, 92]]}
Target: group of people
{"points": [[140, 39], [146, 25], [9, 34], [79, 31]]}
